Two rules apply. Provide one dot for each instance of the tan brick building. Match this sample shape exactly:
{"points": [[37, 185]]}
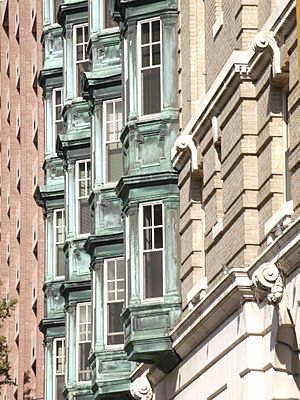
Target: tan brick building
{"points": [[21, 244], [238, 161]]}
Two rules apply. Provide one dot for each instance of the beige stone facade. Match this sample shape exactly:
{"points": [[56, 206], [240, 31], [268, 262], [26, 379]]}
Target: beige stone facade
{"points": [[238, 158], [21, 156]]}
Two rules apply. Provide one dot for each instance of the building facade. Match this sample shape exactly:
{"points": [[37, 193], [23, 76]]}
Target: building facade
{"points": [[21, 158], [171, 199]]}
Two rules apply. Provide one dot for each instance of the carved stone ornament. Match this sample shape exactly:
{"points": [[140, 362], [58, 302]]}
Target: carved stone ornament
{"points": [[266, 40], [141, 389], [269, 278], [183, 142]]}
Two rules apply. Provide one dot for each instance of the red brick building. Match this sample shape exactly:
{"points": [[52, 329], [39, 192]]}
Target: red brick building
{"points": [[21, 263]]}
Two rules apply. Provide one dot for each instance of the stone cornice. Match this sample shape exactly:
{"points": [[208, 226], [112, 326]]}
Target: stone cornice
{"points": [[70, 10]]}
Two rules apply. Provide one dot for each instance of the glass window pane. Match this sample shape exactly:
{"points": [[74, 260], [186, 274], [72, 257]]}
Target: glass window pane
{"points": [[120, 269], [147, 221], [84, 368], [79, 35], [145, 56], [158, 238], [147, 239], [60, 260], [108, 21], [155, 31], [114, 162], [84, 216], [79, 53], [109, 111], [81, 170], [118, 110], [59, 385], [156, 54], [145, 33], [153, 274], [110, 270], [157, 214], [59, 128], [151, 99], [115, 323]]}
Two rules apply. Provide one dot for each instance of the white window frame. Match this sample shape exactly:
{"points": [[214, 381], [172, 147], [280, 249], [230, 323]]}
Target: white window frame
{"points": [[105, 298], [139, 59], [78, 306], [141, 252], [55, 243], [54, 106], [54, 359], [77, 193], [102, 19], [75, 62], [105, 141]]}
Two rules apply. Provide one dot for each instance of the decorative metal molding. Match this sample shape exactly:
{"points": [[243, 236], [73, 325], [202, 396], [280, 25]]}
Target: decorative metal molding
{"points": [[140, 389], [265, 40], [182, 143], [270, 278]]}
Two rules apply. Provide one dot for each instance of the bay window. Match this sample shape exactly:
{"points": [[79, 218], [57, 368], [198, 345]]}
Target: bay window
{"points": [[152, 246], [59, 368], [83, 188], [84, 337], [149, 33], [114, 297], [59, 239], [80, 38], [58, 125], [112, 125]]}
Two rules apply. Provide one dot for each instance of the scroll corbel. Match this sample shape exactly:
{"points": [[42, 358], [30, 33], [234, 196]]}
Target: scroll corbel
{"points": [[140, 389], [183, 142], [265, 40]]}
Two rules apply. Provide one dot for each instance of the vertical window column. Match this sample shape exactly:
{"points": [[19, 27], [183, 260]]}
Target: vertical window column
{"points": [[84, 337], [150, 67], [81, 37], [58, 124], [152, 245], [107, 21], [59, 368], [112, 121], [114, 297], [83, 188], [59, 239]]}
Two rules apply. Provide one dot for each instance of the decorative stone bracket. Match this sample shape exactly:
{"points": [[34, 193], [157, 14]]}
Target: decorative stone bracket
{"points": [[265, 40], [140, 389], [183, 142], [271, 279]]}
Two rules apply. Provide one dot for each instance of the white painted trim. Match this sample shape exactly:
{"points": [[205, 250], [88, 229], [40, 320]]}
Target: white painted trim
{"points": [[143, 117], [105, 301], [75, 77], [104, 121], [217, 228], [54, 244], [79, 235], [54, 356], [78, 305], [141, 252], [285, 211], [54, 91]]}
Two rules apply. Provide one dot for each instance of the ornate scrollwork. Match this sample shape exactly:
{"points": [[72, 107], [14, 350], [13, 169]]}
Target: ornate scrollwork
{"points": [[269, 278], [141, 389], [183, 142], [265, 40]]}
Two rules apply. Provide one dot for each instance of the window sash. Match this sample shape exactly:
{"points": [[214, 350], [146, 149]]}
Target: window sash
{"points": [[58, 373], [112, 125], [83, 188], [84, 337], [59, 239], [150, 79], [57, 106], [114, 298], [152, 250], [81, 58]]}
